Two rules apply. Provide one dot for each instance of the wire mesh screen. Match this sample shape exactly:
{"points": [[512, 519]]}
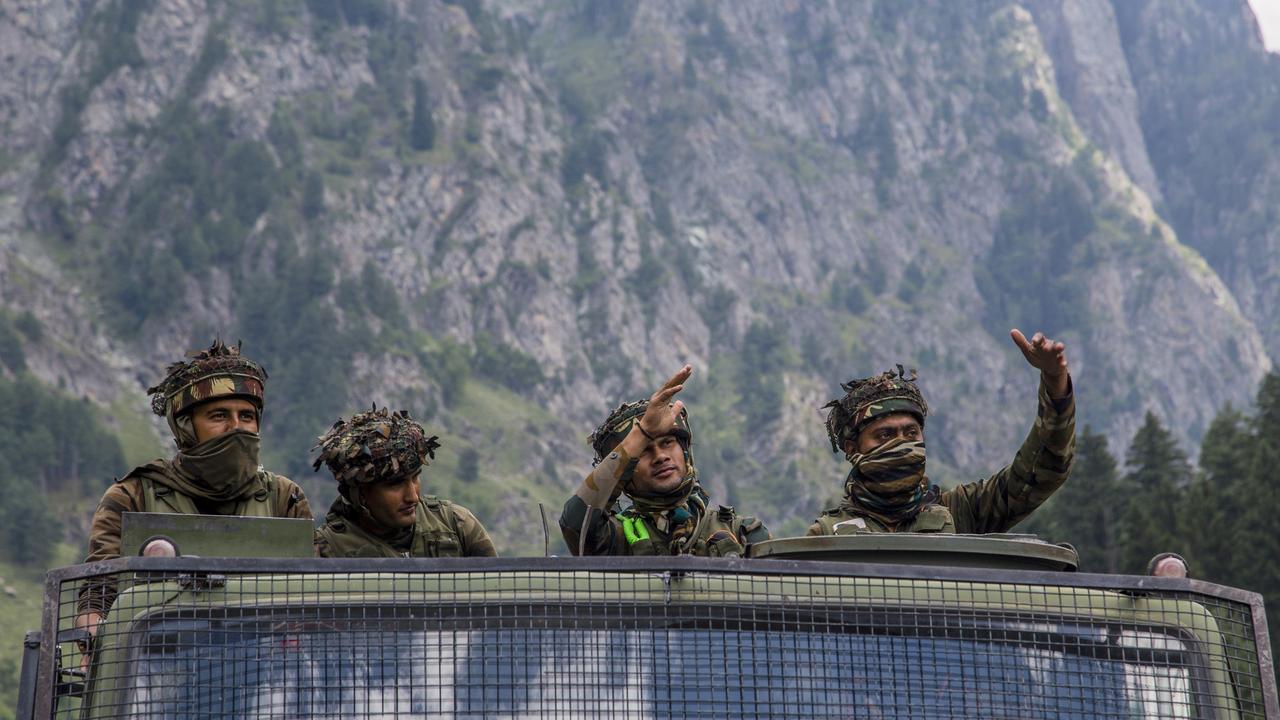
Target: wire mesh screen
{"points": [[640, 639]]}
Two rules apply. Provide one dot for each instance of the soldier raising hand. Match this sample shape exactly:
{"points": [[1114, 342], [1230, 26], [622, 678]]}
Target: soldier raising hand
{"points": [[879, 426], [644, 449]]}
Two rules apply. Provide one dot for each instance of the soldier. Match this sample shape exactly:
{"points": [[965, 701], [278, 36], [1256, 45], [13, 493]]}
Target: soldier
{"points": [[879, 424], [643, 449], [377, 458], [213, 404]]}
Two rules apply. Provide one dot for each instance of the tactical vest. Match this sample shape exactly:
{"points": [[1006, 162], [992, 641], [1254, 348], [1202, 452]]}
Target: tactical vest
{"points": [[157, 497], [719, 534], [934, 518], [435, 534]]}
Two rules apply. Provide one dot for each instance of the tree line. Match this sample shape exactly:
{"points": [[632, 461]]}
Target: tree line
{"points": [[1219, 514], [54, 449]]}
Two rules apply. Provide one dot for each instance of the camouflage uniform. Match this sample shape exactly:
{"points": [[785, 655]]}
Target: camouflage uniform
{"points": [[676, 524], [442, 529], [379, 446], [992, 505], [175, 485]]}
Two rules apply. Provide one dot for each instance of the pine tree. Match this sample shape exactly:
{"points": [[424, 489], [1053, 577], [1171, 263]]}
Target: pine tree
{"points": [[1213, 504], [1155, 485], [422, 131], [1087, 510], [1257, 544]]}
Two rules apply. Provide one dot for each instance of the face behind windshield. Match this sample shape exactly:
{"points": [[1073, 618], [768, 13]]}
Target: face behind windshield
{"points": [[396, 666]]}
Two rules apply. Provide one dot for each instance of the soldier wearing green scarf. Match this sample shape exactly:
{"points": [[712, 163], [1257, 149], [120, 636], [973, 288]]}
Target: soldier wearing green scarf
{"points": [[643, 449], [213, 404], [378, 457], [879, 425]]}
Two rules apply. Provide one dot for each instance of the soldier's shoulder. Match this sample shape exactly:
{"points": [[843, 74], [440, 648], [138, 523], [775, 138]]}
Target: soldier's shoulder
{"points": [[442, 506], [835, 512], [276, 479], [159, 466]]}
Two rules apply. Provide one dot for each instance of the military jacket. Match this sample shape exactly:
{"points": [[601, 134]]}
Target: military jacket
{"points": [[720, 532], [994, 504], [442, 529], [277, 496]]}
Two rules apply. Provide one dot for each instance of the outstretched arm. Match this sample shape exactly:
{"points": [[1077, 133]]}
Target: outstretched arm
{"points": [[1040, 466]]}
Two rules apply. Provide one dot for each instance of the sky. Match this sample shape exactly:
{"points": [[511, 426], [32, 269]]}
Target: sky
{"points": [[1268, 13]]}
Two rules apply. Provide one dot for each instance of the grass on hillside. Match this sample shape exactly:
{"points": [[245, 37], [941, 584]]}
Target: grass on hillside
{"points": [[504, 428], [130, 423], [18, 614]]}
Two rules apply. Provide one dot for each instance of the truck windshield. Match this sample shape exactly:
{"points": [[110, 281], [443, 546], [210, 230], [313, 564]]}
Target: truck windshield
{"points": [[365, 664]]}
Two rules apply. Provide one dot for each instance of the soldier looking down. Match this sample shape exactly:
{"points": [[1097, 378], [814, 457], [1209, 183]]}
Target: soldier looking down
{"points": [[879, 424], [377, 457], [644, 450], [213, 404]]}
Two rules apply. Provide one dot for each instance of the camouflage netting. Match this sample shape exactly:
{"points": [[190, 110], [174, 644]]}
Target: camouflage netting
{"points": [[374, 446], [619, 423], [220, 371], [868, 398]]}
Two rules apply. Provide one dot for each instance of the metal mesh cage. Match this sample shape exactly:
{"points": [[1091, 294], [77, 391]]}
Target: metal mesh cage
{"points": [[642, 638]]}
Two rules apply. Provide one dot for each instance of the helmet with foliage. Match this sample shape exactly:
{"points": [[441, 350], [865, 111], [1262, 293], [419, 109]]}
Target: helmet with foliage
{"points": [[866, 399], [619, 423], [219, 372], [375, 446]]}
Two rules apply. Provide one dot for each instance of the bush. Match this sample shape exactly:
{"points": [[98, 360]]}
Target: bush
{"points": [[506, 365], [422, 129], [11, 354]]}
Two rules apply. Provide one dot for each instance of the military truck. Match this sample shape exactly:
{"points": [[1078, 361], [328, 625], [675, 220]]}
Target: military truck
{"points": [[881, 626]]}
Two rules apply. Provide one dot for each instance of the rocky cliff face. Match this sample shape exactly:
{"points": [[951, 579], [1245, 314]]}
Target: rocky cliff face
{"points": [[786, 195]]}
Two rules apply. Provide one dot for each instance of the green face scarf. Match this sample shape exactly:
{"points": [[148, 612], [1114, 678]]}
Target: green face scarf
{"points": [[888, 483], [219, 469]]}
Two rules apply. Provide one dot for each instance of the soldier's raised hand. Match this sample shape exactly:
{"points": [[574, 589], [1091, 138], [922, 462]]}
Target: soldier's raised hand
{"points": [[660, 417], [1047, 356]]}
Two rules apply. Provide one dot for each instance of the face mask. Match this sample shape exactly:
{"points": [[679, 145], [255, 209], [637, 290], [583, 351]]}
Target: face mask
{"points": [[889, 482], [222, 467]]}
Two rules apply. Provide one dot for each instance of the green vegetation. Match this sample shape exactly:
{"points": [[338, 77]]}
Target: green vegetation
{"points": [[1026, 278], [112, 33], [370, 13], [1219, 515], [506, 365], [422, 129], [11, 355], [51, 446], [19, 613], [585, 155], [292, 328]]}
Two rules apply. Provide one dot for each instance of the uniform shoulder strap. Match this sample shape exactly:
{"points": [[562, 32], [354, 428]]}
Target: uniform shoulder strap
{"points": [[445, 509]]}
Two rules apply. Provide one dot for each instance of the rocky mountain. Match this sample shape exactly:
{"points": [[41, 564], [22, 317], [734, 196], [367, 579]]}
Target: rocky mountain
{"points": [[509, 216]]}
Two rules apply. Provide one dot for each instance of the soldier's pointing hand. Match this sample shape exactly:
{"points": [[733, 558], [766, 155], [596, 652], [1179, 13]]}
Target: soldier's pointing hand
{"points": [[660, 417], [1047, 356]]}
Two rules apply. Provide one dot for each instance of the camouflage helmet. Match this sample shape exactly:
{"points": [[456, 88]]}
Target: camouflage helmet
{"points": [[868, 398], [375, 446], [619, 423], [220, 371]]}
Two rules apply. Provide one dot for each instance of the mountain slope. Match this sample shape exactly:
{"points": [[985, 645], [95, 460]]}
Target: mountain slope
{"points": [[549, 206]]}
